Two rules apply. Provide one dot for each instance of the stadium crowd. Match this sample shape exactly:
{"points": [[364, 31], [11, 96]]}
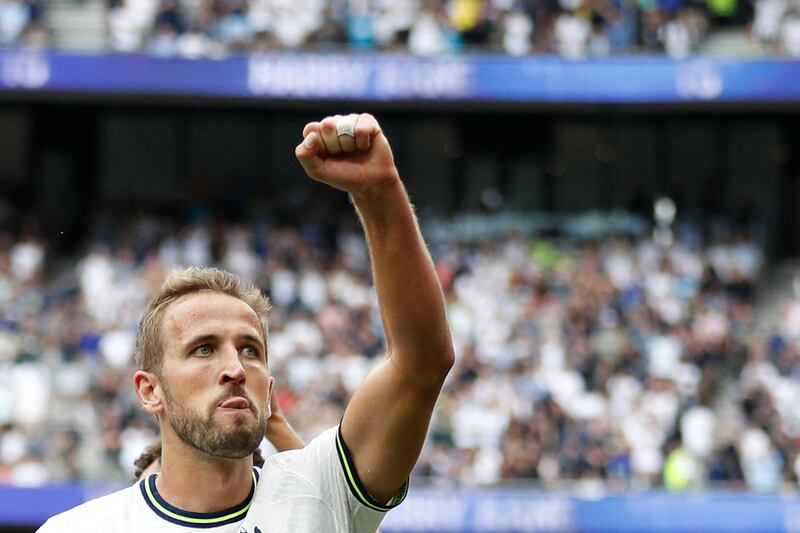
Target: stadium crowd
{"points": [[570, 28], [619, 364]]}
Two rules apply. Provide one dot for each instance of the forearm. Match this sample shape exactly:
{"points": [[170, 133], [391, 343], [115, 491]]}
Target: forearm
{"points": [[281, 434], [411, 300]]}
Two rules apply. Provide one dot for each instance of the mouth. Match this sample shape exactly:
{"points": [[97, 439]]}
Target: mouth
{"points": [[235, 402]]}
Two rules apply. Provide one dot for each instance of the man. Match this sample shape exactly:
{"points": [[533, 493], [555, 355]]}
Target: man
{"points": [[202, 350]]}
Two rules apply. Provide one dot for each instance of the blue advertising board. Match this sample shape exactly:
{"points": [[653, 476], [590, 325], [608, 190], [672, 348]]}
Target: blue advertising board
{"points": [[509, 510], [481, 78]]}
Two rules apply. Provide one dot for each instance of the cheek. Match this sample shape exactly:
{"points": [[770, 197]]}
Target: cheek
{"points": [[187, 383], [258, 379]]}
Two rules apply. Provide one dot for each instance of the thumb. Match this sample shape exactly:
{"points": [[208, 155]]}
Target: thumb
{"points": [[307, 153]]}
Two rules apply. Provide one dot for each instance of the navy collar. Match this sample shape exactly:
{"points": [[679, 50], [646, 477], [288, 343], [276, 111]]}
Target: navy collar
{"points": [[170, 513]]}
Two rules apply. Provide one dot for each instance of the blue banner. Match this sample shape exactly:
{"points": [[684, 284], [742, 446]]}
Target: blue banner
{"points": [[529, 511], [288, 76], [509, 511]]}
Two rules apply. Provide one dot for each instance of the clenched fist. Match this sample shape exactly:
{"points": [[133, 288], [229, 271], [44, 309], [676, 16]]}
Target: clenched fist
{"points": [[348, 152]]}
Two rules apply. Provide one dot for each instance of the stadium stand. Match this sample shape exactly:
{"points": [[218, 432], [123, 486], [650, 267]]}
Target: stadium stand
{"points": [[620, 363], [570, 28]]}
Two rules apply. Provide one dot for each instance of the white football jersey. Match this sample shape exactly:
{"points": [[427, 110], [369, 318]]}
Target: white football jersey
{"points": [[312, 490]]}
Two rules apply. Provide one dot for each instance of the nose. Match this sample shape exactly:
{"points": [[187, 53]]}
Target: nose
{"points": [[232, 370]]}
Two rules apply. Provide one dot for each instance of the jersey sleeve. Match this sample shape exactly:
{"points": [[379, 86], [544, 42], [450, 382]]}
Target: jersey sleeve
{"points": [[51, 526], [340, 479]]}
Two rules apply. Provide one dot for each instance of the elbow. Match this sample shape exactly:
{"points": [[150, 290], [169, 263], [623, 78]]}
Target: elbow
{"points": [[428, 369], [448, 359], [443, 360]]}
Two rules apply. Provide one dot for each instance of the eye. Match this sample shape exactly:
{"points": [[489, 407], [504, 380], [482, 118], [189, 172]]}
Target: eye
{"points": [[250, 351], [203, 350]]}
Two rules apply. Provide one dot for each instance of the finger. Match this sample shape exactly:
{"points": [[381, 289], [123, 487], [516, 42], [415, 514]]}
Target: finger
{"points": [[328, 133], [311, 126], [366, 129], [314, 127], [348, 142], [307, 153]]}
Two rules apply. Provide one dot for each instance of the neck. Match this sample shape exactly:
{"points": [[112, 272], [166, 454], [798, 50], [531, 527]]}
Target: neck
{"points": [[225, 482]]}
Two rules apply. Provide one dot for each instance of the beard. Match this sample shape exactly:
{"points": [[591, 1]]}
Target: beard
{"points": [[208, 436]]}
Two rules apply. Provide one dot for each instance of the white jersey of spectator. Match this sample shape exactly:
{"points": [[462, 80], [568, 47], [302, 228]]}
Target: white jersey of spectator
{"points": [[294, 20], [392, 17], [239, 256], [97, 282], [29, 473], [133, 440], [620, 265], [697, 430], [130, 23], [790, 319], [164, 42], [305, 336], [197, 246], [117, 347], [302, 371], [686, 262], [767, 19], [13, 445], [517, 32], [27, 258], [760, 462], [350, 369], [677, 39], [664, 355], [313, 291], [427, 37], [31, 385], [301, 491], [589, 406], [572, 35], [599, 44], [169, 253], [259, 15], [790, 34], [9, 348], [193, 45], [13, 19], [283, 286]]}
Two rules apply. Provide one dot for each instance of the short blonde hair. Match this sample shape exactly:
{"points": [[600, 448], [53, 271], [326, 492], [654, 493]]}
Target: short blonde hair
{"points": [[149, 346]]}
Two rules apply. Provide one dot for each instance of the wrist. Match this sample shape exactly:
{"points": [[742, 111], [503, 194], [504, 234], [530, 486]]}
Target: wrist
{"points": [[388, 188], [274, 422]]}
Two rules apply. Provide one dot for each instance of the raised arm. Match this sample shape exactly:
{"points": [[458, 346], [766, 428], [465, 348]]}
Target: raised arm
{"points": [[385, 424]]}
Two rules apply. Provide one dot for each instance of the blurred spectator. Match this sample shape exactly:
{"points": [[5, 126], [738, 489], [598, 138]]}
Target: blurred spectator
{"points": [[572, 33], [790, 33], [19, 20]]}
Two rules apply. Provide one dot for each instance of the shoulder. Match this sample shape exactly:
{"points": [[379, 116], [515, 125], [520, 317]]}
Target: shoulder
{"points": [[97, 511], [326, 464], [319, 450]]}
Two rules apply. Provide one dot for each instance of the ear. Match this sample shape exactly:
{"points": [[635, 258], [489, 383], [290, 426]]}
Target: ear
{"points": [[269, 397], [148, 388]]}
